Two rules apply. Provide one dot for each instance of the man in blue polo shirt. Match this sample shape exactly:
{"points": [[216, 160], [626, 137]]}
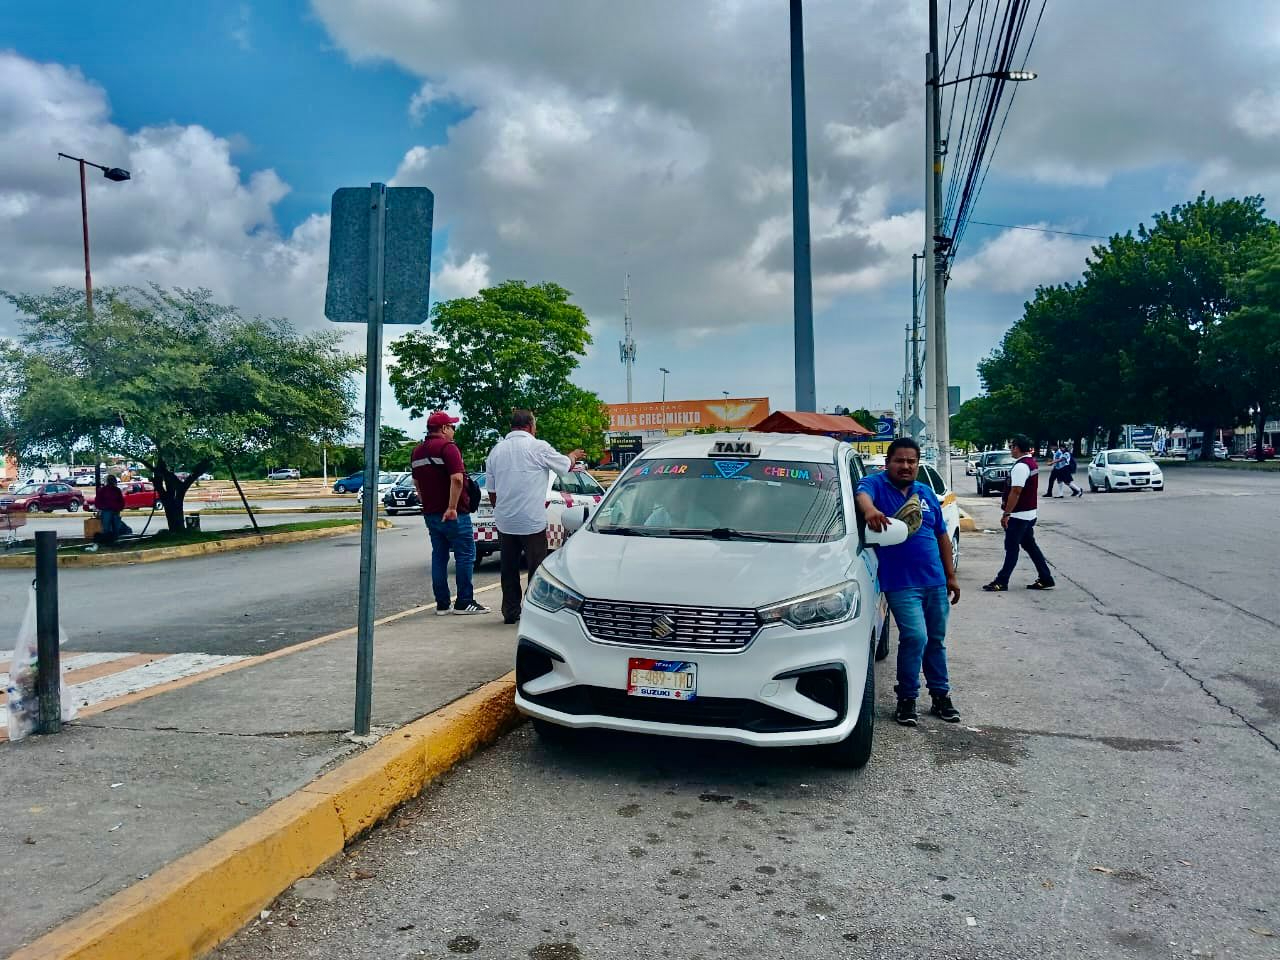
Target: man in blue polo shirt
{"points": [[918, 576]]}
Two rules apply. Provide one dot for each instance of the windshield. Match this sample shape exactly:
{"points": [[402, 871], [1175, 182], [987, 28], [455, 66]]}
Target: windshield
{"points": [[1129, 456], [998, 459], [781, 502]]}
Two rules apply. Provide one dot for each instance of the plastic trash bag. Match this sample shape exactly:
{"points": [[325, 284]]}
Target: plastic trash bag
{"points": [[24, 704]]}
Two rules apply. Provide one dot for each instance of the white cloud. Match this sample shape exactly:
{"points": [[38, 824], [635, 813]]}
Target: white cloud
{"points": [[1017, 261], [189, 216]]}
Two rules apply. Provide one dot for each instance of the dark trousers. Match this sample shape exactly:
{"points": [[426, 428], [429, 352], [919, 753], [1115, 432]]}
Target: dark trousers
{"points": [[1055, 476], [512, 547], [1020, 535]]}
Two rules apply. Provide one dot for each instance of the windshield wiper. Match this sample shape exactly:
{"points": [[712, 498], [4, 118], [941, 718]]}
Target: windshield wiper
{"points": [[727, 533], [631, 531]]}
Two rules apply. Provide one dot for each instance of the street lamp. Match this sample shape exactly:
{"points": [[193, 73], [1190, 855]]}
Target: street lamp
{"points": [[665, 371], [1013, 76], [724, 409], [115, 174]]}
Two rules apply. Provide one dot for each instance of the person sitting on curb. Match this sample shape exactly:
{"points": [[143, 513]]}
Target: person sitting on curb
{"points": [[109, 503], [917, 577]]}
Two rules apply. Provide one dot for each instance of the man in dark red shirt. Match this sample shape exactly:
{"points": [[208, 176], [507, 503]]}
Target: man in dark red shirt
{"points": [[440, 476], [109, 503]]}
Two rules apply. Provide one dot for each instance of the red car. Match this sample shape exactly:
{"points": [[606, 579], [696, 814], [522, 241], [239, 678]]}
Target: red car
{"points": [[51, 496], [138, 495], [1267, 452]]}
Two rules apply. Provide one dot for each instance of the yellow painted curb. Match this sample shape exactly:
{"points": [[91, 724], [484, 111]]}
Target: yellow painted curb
{"points": [[189, 907], [967, 523], [28, 561]]}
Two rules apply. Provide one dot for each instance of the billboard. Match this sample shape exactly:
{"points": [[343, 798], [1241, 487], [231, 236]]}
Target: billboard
{"points": [[682, 416], [886, 428]]}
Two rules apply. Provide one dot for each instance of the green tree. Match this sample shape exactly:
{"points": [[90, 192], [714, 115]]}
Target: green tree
{"points": [[1247, 343], [577, 420], [510, 347], [864, 417], [168, 378], [395, 448]]}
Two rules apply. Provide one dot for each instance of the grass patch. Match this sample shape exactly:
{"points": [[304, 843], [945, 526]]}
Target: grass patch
{"points": [[166, 538]]}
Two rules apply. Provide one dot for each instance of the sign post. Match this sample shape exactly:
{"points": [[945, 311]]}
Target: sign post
{"points": [[379, 272]]}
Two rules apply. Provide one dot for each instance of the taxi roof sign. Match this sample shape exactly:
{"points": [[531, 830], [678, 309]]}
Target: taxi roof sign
{"points": [[734, 448]]}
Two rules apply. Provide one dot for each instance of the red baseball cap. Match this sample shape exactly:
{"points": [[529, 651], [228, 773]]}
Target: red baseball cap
{"points": [[440, 419]]}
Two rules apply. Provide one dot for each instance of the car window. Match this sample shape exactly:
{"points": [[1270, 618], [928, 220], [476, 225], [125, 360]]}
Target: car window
{"points": [[933, 479], [557, 483], [1129, 457], [786, 502]]}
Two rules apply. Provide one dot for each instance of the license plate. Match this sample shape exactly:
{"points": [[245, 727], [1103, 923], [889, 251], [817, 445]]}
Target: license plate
{"points": [[664, 679], [1138, 483]]}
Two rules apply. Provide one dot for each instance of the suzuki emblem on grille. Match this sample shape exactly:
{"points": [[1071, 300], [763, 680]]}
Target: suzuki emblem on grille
{"points": [[663, 627]]}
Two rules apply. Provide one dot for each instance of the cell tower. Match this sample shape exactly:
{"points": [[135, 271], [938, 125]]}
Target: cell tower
{"points": [[627, 345]]}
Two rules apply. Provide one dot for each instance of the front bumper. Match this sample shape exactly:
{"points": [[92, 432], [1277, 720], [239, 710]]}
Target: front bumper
{"points": [[1136, 483], [786, 688]]}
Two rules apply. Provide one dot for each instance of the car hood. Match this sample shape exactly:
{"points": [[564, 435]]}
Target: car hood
{"points": [[720, 573]]}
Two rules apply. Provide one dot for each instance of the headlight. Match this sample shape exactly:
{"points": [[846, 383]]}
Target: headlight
{"points": [[548, 593], [833, 605]]}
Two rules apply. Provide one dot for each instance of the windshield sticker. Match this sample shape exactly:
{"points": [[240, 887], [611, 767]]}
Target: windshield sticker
{"points": [[728, 468], [786, 473], [664, 468]]}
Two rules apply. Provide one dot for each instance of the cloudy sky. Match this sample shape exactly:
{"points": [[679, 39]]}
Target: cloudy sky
{"points": [[578, 141]]}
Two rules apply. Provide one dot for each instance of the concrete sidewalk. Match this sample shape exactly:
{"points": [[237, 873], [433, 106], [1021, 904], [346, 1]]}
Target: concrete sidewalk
{"points": [[119, 795]]}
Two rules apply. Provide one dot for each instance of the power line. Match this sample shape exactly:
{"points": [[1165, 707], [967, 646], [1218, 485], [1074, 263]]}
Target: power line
{"points": [[1014, 226]]}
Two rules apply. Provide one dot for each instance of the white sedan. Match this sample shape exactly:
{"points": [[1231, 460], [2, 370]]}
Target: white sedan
{"points": [[385, 482], [932, 479], [1124, 470]]}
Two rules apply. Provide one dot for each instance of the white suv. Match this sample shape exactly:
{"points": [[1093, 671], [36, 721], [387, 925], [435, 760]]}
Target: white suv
{"points": [[721, 591]]}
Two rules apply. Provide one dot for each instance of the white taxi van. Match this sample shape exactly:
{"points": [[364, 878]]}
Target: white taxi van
{"points": [[723, 590]]}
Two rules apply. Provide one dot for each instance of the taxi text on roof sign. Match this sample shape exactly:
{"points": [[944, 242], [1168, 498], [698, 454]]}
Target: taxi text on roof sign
{"points": [[735, 448]]}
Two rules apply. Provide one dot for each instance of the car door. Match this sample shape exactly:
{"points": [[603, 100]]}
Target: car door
{"points": [[59, 496], [866, 567], [1096, 469]]}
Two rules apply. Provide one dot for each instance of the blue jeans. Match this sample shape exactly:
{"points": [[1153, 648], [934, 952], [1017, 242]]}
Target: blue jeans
{"points": [[454, 536], [922, 614]]}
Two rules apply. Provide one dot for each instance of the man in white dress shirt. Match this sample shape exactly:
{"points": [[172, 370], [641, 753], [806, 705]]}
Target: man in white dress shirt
{"points": [[516, 480]]}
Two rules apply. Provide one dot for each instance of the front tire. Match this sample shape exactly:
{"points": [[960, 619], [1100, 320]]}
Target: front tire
{"points": [[1106, 484], [882, 641], [1093, 487], [33, 507], [955, 550], [550, 733], [339, 489], [853, 752]]}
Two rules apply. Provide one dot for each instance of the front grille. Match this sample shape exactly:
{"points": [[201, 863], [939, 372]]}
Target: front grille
{"points": [[699, 712], [667, 625], [1136, 473]]}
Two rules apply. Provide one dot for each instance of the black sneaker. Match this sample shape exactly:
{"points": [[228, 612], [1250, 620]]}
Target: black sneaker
{"points": [[1040, 584], [944, 708], [905, 713], [443, 611], [995, 586], [470, 608]]}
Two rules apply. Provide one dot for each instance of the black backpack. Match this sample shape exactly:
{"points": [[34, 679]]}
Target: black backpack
{"points": [[472, 490]]}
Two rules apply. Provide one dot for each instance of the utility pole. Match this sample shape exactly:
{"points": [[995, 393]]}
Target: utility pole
{"points": [[627, 346], [907, 372], [937, 415], [806, 385], [915, 334]]}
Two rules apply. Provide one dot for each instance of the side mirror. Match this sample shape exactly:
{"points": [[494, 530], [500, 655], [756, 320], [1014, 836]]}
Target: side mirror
{"points": [[573, 520], [890, 536]]}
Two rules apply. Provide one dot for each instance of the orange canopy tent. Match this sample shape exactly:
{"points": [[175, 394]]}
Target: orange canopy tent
{"points": [[822, 424]]}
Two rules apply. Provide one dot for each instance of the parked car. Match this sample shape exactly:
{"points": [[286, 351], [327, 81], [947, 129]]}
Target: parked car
{"points": [[932, 479], [1268, 452], [137, 496], [83, 479], [285, 473], [720, 597], [971, 464], [1124, 470], [576, 488], [385, 482], [875, 463], [402, 497], [47, 497], [350, 484], [992, 471]]}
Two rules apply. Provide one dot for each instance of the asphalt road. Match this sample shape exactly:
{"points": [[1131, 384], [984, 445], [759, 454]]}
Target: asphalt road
{"points": [[1111, 791], [245, 602]]}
